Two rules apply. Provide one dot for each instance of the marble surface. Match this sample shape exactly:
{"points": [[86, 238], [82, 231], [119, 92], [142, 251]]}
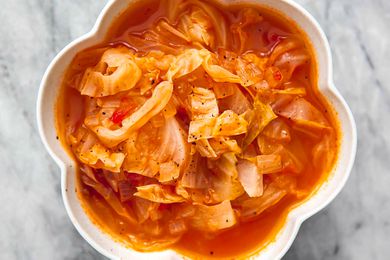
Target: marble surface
{"points": [[33, 221]]}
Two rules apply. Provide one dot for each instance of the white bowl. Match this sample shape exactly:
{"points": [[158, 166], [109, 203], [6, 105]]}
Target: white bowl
{"points": [[102, 242]]}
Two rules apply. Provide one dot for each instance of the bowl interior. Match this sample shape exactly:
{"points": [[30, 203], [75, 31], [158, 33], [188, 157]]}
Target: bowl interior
{"points": [[102, 242]]}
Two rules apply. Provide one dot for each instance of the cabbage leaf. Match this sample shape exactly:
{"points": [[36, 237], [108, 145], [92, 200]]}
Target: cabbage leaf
{"points": [[115, 72], [258, 118], [158, 193], [213, 218], [160, 98]]}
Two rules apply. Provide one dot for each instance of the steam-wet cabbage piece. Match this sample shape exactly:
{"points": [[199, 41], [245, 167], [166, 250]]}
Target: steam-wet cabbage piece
{"points": [[202, 122]]}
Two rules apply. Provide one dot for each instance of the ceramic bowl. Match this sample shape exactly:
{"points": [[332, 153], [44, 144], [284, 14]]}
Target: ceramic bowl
{"points": [[104, 243]]}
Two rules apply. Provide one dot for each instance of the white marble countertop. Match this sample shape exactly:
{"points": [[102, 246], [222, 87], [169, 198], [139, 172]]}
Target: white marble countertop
{"points": [[33, 221]]}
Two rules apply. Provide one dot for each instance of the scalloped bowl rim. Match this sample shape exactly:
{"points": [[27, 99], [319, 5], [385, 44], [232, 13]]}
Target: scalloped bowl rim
{"points": [[275, 250]]}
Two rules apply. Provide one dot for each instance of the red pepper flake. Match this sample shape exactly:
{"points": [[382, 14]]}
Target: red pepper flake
{"points": [[164, 206], [123, 111], [278, 75], [274, 37], [118, 116]]}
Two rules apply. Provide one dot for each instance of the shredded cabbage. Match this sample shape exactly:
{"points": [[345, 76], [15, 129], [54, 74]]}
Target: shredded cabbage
{"points": [[196, 121], [196, 174], [203, 103], [225, 182], [217, 20], [115, 72], [213, 218], [258, 118], [250, 177], [215, 147], [152, 107], [304, 115], [247, 17], [218, 73], [90, 152], [158, 193], [278, 130], [110, 198], [252, 207], [237, 102], [227, 124], [270, 163], [198, 26], [169, 171], [185, 63]]}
